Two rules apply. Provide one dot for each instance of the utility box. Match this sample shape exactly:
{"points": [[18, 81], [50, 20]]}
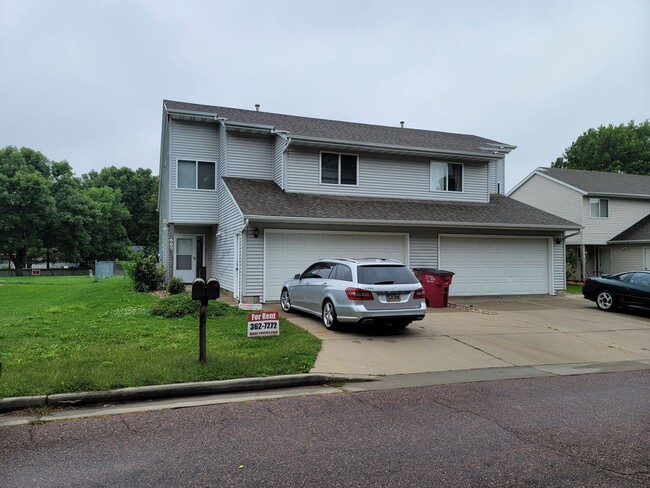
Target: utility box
{"points": [[436, 283]]}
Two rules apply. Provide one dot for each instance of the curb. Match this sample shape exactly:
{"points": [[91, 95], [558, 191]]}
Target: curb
{"points": [[155, 392]]}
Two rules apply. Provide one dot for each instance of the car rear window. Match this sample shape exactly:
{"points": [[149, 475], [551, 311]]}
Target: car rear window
{"points": [[385, 275]]}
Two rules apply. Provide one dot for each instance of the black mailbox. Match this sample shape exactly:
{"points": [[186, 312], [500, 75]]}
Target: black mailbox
{"points": [[212, 289], [198, 289], [205, 291]]}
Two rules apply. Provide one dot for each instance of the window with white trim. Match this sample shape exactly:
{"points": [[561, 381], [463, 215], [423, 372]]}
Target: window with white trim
{"points": [[598, 208], [197, 175], [339, 169], [446, 176]]}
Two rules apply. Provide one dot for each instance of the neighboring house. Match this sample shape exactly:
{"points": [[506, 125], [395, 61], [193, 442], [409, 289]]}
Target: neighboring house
{"points": [[612, 208], [256, 197]]}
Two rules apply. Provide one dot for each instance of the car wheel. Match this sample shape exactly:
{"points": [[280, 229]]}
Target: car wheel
{"points": [[605, 300], [329, 316], [285, 301]]}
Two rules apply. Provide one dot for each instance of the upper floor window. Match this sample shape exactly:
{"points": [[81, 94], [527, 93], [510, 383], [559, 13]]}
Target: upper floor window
{"points": [[446, 176], [196, 175], [338, 169], [598, 208]]}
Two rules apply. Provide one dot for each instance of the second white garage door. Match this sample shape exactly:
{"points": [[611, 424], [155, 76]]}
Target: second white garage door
{"points": [[287, 253], [496, 266]]}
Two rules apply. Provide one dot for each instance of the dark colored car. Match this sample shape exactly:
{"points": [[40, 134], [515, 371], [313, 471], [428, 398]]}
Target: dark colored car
{"points": [[629, 289]]}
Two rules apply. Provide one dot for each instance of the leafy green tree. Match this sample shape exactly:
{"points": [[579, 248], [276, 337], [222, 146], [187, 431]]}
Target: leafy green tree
{"points": [[26, 203], [139, 189], [45, 210], [623, 148]]}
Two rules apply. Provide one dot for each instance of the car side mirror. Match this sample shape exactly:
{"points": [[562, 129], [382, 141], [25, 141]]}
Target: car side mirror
{"points": [[296, 277]]}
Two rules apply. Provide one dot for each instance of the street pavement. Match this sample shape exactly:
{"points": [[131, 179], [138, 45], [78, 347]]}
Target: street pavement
{"points": [[584, 430]]}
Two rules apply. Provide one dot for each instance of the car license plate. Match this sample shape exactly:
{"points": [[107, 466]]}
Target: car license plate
{"points": [[393, 297]]}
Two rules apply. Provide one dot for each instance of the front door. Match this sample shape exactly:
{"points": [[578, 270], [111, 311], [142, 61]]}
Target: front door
{"points": [[185, 258], [604, 261]]}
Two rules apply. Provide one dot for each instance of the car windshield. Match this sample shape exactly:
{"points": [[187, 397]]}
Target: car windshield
{"points": [[385, 275]]}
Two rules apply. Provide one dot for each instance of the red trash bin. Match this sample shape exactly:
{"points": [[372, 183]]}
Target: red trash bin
{"points": [[436, 284]]}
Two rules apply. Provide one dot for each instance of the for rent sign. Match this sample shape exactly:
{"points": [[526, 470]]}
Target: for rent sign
{"points": [[262, 324]]}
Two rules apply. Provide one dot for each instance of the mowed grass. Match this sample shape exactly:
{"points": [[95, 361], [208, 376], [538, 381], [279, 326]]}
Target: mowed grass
{"points": [[70, 334], [574, 288]]}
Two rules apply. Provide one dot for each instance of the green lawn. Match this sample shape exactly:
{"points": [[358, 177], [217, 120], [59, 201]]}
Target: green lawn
{"points": [[574, 288], [66, 334]]}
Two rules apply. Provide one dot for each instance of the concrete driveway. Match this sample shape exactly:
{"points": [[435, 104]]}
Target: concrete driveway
{"points": [[560, 335]]}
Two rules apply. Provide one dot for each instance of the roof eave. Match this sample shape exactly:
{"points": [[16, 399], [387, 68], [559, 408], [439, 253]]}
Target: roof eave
{"points": [[408, 223], [391, 148]]}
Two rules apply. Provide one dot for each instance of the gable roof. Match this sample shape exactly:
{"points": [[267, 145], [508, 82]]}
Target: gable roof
{"points": [[313, 129], [596, 182], [639, 233], [264, 200]]}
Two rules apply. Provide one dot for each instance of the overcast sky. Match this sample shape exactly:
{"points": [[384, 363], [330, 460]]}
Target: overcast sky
{"points": [[84, 80]]}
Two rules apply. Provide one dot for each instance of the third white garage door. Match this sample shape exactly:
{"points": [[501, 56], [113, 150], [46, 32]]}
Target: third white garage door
{"points": [[289, 252], [496, 266]]}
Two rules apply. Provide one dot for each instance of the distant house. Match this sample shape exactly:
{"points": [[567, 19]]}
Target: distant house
{"points": [[256, 197], [612, 208]]}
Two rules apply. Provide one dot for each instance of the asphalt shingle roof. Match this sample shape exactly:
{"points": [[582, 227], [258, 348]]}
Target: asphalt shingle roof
{"points": [[263, 198], [349, 131], [600, 182], [637, 232]]}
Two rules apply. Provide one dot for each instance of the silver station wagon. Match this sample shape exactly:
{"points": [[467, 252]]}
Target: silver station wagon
{"points": [[367, 291]]}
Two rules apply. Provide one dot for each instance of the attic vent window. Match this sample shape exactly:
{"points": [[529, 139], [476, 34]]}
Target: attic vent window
{"points": [[339, 169]]}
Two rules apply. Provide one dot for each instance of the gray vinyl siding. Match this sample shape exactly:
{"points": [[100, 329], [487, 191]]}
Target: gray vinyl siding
{"points": [[423, 252], [622, 214], [250, 156], [554, 198], [278, 160], [501, 175], [192, 141], [230, 223], [627, 257], [492, 177], [559, 263], [383, 176], [164, 199], [253, 285]]}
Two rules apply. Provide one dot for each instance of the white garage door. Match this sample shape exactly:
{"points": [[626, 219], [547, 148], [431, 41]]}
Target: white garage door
{"points": [[496, 266], [287, 253]]}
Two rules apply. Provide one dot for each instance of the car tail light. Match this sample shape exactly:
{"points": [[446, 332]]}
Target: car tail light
{"points": [[358, 294], [419, 293]]}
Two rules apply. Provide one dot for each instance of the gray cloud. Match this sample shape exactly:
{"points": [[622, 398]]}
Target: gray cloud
{"points": [[84, 81]]}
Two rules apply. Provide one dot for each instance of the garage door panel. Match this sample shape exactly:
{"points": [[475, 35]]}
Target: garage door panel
{"points": [[289, 252], [491, 266]]}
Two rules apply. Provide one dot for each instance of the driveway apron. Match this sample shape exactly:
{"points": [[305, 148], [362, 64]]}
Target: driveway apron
{"points": [[492, 332]]}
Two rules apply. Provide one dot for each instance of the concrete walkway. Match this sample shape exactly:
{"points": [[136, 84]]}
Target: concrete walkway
{"points": [[557, 334]]}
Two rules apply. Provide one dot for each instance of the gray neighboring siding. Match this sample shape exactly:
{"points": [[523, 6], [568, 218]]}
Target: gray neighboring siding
{"points": [[501, 175], [250, 156], [278, 160], [622, 215], [164, 198], [230, 223], [547, 195], [192, 141], [629, 259], [383, 176], [254, 270]]}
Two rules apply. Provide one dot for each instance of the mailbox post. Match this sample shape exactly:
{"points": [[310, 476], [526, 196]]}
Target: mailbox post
{"points": [[204, 291]]}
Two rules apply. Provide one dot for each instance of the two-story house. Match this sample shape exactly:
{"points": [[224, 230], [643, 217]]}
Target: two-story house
{"points": [[256, 197], [612, 208]]}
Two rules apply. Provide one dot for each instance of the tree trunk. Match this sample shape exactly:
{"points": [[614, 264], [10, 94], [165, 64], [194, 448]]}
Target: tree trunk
{"points": [[19, 260]]}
